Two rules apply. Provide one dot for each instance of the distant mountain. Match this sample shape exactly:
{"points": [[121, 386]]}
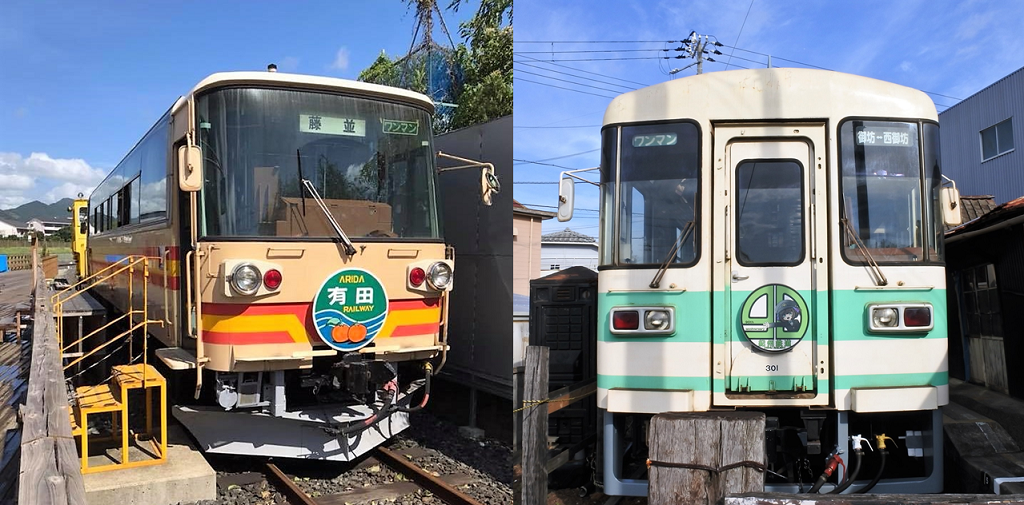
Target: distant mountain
{"points": [[57, 211]]}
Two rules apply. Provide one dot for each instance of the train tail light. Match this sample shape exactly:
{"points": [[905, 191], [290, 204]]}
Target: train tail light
{"points": [[914, 317], [272, 279], [626, 320], [417, 276]]}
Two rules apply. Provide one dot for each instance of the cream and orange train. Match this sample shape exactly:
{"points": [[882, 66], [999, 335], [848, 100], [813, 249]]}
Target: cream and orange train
{"points": [[296, 258]]}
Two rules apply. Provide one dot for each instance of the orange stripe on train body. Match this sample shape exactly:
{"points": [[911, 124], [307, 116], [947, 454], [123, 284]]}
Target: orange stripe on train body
{"points": [[265, 323]]}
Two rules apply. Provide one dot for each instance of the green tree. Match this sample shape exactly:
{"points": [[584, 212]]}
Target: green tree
{"points": [[63, 234], [487, 93], [483, 90]]}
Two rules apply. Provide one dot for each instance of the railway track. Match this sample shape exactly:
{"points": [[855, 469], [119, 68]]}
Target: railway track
{"points": [[440, 487]]}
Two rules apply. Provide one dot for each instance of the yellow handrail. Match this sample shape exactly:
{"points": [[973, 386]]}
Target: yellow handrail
{"points": [[125, 264]]}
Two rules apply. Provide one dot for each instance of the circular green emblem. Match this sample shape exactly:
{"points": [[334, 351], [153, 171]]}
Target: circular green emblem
{"points": [[350, 308], [774, 318]]}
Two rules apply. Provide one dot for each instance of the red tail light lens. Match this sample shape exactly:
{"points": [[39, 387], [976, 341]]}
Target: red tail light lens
{"points": [[917, 317], [417, 276], [626, 320], [272, 279]]}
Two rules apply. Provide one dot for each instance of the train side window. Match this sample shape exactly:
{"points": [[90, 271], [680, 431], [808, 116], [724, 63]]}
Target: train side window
{"points": [[133, 203], [153, 183]]}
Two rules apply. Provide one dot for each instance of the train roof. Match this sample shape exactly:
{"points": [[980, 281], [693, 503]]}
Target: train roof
{"points": [[770, 93], [221, 79]]}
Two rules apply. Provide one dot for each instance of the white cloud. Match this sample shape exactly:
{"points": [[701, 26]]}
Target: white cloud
{"points": [[341, 59], [14, 182], [41, 177], [907, 66], [42, 165], [68, 190]]}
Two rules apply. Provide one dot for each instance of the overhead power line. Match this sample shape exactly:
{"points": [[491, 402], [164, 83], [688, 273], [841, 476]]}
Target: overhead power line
{"points": [[561, 87], [581, 70], [576, 126], [563, 73], [528, 162], [566, 80], [570, 155]]}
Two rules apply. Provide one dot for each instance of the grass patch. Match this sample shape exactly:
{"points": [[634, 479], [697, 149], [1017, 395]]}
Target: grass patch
{"points": [[26, 250]]}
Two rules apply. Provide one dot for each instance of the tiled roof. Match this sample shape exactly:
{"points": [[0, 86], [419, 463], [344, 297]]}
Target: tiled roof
{"points": [[518, 208], [973, 207], [567, 236], [995, 216]]}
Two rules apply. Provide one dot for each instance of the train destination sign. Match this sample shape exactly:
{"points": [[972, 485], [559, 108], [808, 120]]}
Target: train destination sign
{"points": [[313, 123], [774, 318], [882, 136], [657, 139], [400, 127], [350, 309]]}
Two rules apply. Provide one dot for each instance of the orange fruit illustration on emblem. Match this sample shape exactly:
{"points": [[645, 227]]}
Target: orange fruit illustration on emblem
{"points": [[340, 333], [357, 333]]}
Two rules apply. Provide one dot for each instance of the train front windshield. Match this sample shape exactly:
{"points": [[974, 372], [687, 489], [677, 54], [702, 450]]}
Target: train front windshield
{"points": [[657, 196], [890, 202], [371, 161]]}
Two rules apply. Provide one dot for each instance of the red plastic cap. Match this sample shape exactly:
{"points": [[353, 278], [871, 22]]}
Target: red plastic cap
{"points": [[626, 320], [917, 316], [417, 276], [272, 279]]}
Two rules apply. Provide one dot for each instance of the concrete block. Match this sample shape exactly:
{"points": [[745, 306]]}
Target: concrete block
{"points": [[185, 477]]}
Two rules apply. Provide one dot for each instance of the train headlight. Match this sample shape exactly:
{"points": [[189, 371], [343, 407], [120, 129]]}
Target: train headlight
{"points": [[656, 320], [885, 317], [246, 279], [440, 276]]}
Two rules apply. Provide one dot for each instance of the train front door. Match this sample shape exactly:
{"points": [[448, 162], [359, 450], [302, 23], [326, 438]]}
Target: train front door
{"points": [[770, 272]]}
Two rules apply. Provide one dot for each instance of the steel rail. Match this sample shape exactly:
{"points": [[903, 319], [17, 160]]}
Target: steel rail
{"points": [[292, 493], [441, 489]]}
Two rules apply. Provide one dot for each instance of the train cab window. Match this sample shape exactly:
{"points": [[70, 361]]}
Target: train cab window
{"points": [[659, 174], [371, 162], [769, 213], [883, 215]]}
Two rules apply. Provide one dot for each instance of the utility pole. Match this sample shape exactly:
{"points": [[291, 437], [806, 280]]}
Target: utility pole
{"points": [[696, 46]]}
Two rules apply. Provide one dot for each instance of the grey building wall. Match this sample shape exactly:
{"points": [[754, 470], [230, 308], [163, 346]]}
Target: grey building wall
{"points": [[480, 335], [960, 129]]}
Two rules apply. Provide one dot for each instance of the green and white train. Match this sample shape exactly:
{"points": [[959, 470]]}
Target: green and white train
{"points": [[771, 240]]}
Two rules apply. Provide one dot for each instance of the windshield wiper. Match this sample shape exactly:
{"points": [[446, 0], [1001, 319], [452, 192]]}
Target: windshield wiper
{"points": [[350, 249], [656, 281], [880, 280], [302, 193]]}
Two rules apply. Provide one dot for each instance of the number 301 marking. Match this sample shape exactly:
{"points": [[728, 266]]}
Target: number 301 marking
{"points": [[771, 368]]}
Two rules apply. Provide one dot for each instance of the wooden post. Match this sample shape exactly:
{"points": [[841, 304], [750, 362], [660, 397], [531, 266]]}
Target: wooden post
{"points": [[710, 440], [535, 428]]}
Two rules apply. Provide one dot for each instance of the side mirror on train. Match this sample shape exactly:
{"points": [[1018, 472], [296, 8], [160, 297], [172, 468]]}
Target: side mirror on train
{"points": [[949, 201], [489, 185], [190, 168], [566, 194]]}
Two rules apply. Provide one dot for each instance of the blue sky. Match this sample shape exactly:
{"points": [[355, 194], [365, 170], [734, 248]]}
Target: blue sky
{"points": [[81, 82], [945, 47]]}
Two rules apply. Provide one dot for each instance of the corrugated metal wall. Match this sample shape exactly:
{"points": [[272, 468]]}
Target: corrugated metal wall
{"points": [[960, 133]]}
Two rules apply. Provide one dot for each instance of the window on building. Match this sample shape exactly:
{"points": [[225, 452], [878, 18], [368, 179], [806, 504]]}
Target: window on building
{"points": [[980, 304], [555, 266], [997, 139]]}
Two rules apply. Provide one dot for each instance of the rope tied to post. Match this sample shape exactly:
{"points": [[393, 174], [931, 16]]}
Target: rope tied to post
{"points": [[693, 466]]}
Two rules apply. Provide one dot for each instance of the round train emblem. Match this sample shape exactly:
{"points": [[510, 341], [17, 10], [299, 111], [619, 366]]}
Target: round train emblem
{"points": [[774, 318], [349, 309]]}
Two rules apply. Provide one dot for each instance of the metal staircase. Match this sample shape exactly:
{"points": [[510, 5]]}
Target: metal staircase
{"points": [[111, 396]]}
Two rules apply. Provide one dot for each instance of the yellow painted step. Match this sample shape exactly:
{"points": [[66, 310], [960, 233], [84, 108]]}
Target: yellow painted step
{"points": [[137, 376]]}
